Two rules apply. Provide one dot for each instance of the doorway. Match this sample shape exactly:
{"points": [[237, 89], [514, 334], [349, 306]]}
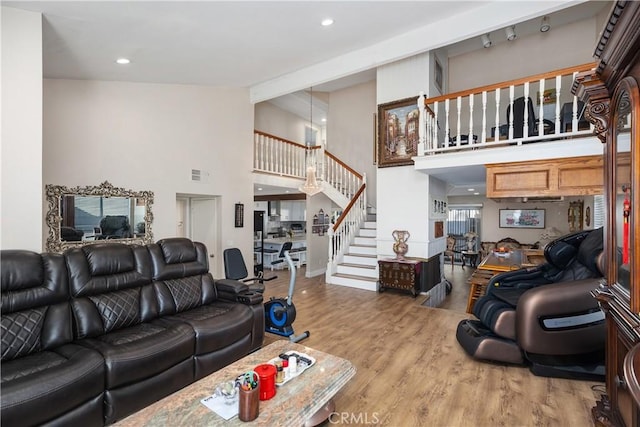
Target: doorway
{"points": [[197, 218]]}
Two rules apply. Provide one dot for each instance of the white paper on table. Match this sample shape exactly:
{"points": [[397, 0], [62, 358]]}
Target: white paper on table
{"points": [[218, 405]]}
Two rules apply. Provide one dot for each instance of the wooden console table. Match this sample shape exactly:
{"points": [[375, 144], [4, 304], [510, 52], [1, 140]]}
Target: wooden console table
{"points": [[399, 274]]}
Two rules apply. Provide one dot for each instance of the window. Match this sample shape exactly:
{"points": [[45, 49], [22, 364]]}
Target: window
{"points": [[462, 220]]}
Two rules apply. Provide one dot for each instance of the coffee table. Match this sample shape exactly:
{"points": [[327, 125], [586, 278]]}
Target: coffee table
{"points": [[295, 402]]}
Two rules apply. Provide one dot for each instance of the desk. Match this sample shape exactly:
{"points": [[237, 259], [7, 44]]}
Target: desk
{"points": [[494, 264]]}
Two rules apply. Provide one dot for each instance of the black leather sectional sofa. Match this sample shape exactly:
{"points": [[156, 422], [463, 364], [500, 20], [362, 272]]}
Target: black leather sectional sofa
{"points": [[101, 331]]}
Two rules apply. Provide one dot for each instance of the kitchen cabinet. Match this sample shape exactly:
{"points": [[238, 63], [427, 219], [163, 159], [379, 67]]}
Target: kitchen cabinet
{"points": [[546, 178], [292, 210]]}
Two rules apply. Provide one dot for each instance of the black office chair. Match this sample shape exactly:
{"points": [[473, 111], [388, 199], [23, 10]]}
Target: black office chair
{"points": [[236, 269], [115, 227], [532, 121]]}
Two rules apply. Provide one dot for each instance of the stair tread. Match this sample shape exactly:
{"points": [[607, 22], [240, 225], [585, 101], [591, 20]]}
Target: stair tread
{"points": [[350, 264], [355, 276], [362, 255]]}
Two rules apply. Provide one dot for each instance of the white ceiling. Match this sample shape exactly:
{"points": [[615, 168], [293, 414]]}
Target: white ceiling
{"points": [[268, 46], [217, 43]]}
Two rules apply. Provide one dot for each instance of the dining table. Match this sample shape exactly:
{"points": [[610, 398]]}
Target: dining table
{"points": [[496, 262]]}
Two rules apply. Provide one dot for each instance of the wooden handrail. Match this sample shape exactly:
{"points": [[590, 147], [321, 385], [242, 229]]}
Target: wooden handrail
{"points": [[349, 206], [515, 82], [278, 138], [343, 164]]}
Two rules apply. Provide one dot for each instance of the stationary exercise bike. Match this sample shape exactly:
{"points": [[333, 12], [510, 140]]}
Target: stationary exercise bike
{"points": [[280, 313]]}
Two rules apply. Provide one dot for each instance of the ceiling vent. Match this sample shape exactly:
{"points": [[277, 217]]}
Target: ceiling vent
{"points": [[544, 199]]}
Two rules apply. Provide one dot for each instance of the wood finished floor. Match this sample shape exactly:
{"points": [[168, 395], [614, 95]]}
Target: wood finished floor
{"points": [[411, 370]]}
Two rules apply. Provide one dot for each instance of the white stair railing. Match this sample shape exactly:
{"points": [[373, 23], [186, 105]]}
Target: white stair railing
{"points": [[342, 233], [543, 109], [279, 156], [287, 158], [272, 154]]}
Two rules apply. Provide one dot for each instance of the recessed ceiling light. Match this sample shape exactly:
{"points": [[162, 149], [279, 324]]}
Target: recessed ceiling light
{"points": [[259, 188], [326, 22], [476, 194], [324, 120], [287, 191], [471, 189], [122, 61]]}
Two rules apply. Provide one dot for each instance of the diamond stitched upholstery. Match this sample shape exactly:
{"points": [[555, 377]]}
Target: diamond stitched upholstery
{"points": [[44, 379], [21, 333], [118, 309], [187, 292]]}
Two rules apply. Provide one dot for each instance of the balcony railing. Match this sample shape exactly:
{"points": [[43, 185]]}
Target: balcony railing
{"points": [[532, 109], [275, 155]]}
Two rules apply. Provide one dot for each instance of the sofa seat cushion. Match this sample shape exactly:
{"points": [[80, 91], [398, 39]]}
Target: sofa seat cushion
{"points": [[142, 351], [217, 325], [40, 387]]}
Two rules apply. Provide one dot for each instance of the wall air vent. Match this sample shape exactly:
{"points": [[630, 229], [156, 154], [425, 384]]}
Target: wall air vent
{"points": [[543, 199], [198, 175]]}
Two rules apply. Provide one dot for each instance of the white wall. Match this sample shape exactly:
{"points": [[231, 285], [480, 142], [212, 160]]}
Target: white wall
{"points": [[402, 192], [555, 216], [278, 122], [149, 137], [351, 131], [21, 151], [317, 245], [561, 47]]}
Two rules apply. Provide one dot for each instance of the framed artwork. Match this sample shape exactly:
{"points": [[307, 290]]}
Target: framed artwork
{"points": [[438, 230], [548, 97], [521, 218], [398, 132], [375, 138], [438, 208], [239, 215]]}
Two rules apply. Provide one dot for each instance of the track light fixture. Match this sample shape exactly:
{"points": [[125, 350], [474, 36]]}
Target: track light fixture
{"points": [[511, 33], [486, 41], [544, 25]]}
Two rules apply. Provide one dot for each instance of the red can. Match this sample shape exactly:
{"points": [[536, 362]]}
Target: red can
{"points": [[267, 374]]}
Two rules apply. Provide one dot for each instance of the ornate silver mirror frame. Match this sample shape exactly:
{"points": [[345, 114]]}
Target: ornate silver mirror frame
{"points": [[56, 196]]}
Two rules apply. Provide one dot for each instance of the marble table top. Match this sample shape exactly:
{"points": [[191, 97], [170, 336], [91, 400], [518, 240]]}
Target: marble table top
{"points": [[294, 402]]}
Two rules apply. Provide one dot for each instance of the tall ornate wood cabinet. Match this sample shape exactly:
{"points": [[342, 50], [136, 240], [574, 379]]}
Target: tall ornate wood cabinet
{"points": [[613, 106]]}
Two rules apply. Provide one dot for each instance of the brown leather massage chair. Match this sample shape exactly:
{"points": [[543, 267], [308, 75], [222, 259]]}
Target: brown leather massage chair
{"points": [[544, 316]]}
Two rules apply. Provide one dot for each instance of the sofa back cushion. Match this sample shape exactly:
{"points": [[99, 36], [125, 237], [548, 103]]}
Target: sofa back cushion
{"points": [[181, 275], [35, 303], [111, 287]]}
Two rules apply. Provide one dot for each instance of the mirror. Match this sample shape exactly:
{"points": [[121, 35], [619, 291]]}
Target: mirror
{"points": [[85, 215], [621, 136]]}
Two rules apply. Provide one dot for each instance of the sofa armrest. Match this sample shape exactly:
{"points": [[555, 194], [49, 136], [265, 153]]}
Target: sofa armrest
{"points": [[233, 290], [561, 318]]}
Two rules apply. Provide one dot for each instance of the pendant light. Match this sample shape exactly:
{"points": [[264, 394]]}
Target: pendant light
{"points": [[311, 186]]}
